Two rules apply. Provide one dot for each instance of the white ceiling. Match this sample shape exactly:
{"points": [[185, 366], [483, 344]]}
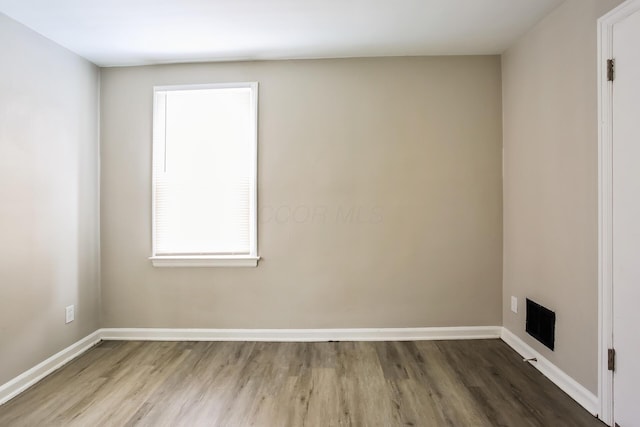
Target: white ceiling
{"points": [[134, 32]]}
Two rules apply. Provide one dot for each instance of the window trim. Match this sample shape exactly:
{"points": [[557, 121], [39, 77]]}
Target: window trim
{"points": [[205, 260]]}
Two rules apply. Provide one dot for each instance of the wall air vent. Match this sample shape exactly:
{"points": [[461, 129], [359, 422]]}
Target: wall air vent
{"points": [[541, 323]]}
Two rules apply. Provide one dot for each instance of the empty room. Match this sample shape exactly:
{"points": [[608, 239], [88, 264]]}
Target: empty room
{"points": [[319, 213]]}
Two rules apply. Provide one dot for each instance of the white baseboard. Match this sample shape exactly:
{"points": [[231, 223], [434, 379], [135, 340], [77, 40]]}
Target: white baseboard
{"points": [[25, 380], [567, 384], [300, 335], [570, 386]]}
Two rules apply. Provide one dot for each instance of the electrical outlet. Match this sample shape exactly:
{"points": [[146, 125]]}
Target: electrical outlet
{"points": [[514, 304], [69, 314]]}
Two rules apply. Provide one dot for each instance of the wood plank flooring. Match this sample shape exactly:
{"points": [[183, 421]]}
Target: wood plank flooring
{"points": [[426, 383]]}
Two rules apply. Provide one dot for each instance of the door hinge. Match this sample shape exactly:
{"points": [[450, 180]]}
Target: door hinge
{"points": [[611, 64], [611, 359]]}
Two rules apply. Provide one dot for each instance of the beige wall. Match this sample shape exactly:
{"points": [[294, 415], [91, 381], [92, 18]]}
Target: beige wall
{"points": [[411, 146], [49, 207], [550, 182]]}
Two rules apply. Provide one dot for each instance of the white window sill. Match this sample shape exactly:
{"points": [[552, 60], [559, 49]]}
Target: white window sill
{"points": [[205, 261]]}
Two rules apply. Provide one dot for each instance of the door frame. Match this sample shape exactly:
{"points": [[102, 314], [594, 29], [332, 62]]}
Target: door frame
{"points": [[605, 204]]}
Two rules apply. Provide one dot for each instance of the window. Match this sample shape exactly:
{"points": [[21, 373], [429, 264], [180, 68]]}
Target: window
{"points": [[204, 175]]}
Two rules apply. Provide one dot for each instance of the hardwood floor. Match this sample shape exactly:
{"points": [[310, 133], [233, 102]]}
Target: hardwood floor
{"points": [[426, 383]]}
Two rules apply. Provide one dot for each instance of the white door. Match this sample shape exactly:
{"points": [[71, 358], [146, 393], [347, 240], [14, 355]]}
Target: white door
{"points": [[626, 221]]}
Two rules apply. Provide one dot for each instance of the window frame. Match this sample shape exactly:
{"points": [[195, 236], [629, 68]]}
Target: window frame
{"points": [[208, 260]]}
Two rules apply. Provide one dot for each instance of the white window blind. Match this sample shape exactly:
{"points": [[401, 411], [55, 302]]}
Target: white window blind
{"points": [[204, 171]]}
